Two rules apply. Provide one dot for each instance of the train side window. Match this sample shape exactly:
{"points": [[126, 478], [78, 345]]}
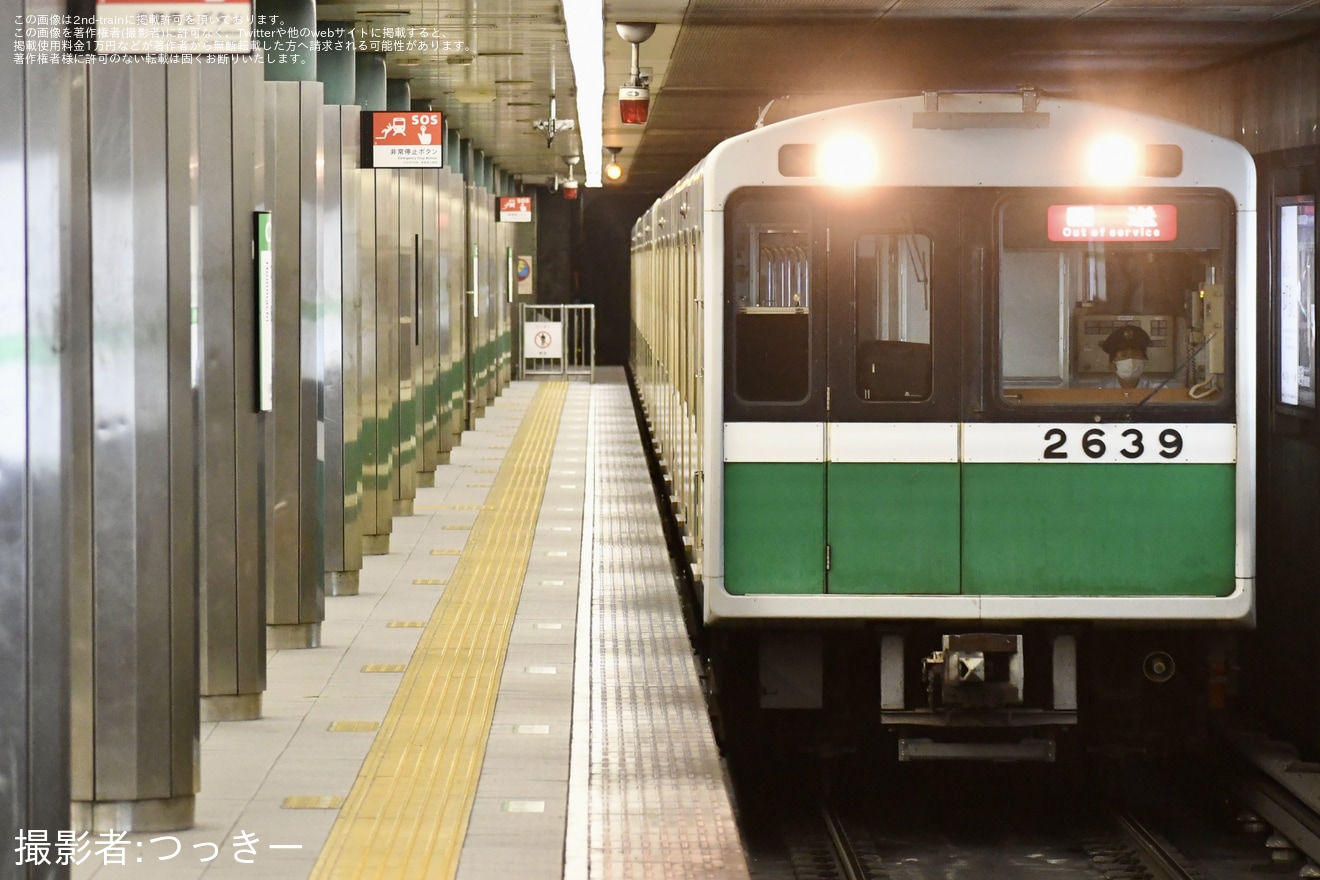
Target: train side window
{"points": [[771, 292], [1073, 273], [892, 279]]}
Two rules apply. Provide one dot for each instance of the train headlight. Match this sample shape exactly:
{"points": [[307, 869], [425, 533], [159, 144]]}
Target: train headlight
{"points": [[847, 161], [1113, 160]]}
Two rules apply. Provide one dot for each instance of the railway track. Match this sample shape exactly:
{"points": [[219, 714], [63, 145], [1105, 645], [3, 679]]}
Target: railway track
{"points": [[918, 827], [1157, 859], [848, 859]]}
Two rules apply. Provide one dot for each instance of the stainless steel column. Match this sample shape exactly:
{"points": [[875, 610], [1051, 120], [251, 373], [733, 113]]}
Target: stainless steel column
{"points": [[342, 306], [337, 70], [409, 234], [458, 262], [375, 516], [43, 320], [386, 256], [336, 62], [504, 278], [233, 551], [398, 96], [448, 262], [489, 315], [480, 219], [428, 286], [376, 400], [134, 657], [295, 598], [471, 304], [494, 258], [509, 293]]}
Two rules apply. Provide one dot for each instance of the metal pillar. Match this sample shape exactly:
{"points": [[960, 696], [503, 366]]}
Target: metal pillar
{"points": [[452, 296], [342, 305], [336, 62], [295, 598], [448, 263], [43, 315], [369, 80], [482, 316], [378, 363], [134, 650], [408, 238], [233, 550], [398, 94], [376, 509], [386, 257], [337, 69], [289, 56], [428, 286]]}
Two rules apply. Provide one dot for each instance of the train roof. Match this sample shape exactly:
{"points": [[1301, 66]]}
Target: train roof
{"points": [[972, 139]]}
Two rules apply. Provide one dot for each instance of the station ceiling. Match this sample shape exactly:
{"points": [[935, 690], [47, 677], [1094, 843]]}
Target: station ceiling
{"points": [[494, 65]]}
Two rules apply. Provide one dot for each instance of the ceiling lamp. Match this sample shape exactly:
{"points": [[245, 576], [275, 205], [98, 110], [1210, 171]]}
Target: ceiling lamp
{"points": [[613, 171]]}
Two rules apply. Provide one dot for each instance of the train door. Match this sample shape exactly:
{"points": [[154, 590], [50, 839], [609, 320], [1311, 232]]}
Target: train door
{"points": [[774, 394], [894, 369], [842, 393]]}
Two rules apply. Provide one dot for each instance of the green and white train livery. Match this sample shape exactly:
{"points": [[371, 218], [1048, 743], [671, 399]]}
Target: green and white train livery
{"points": [[881, 351]]}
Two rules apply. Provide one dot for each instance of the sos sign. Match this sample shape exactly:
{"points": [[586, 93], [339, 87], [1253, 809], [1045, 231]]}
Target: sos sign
{"points": [[402, 139]]}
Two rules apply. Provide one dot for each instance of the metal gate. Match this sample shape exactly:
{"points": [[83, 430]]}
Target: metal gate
{"points": [[558, 340]]}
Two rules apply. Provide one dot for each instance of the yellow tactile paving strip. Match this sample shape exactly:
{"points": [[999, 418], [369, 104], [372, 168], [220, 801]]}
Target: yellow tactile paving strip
{"points": [[408, 811]]}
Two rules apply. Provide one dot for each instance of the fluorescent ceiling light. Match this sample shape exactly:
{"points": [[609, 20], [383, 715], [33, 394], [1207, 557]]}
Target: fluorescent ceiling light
{"points": [[585, 21]]}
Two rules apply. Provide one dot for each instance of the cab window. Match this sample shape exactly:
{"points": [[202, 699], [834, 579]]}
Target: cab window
{"points": [[1114, 302]]}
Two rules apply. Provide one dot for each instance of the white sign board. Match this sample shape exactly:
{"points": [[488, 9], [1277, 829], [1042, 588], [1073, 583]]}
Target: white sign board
{"points": [[265, 278], [543, 339], [176, 27]]}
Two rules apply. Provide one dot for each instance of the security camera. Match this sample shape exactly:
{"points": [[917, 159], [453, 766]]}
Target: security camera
{"points": [[634, 104]]}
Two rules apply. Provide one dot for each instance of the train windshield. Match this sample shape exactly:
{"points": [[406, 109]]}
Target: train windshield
{"points": [[1117, 303]]}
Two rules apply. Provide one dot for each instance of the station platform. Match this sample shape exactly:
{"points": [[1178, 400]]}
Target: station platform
{"points": [[512, 694]]}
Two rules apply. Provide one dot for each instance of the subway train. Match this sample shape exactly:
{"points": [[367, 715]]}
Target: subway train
{"points": [[953, 396]]}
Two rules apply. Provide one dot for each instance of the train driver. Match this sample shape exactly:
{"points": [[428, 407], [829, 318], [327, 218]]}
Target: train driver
{"points": [[1126, 347]]}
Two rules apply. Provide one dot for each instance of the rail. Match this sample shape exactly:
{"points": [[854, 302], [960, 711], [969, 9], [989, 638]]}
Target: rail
{"points": [[1161, 862]]}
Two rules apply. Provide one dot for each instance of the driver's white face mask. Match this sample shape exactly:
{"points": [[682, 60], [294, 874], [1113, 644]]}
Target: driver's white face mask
{"points": [[1129, 368]]}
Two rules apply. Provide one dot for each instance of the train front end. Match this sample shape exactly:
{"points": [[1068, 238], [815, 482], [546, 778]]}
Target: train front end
{"points": [[981, 376]]}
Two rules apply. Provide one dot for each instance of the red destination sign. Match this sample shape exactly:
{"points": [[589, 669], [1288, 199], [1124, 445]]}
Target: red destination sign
{"points": [[1113, 222]]}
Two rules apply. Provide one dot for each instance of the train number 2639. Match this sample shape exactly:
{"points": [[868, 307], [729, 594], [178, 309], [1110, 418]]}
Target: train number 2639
{"points": [[1132, 443]]}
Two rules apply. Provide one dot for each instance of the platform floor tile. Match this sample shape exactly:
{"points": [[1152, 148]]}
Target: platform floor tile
{"points": [[659, 804], [249, 769], [599, 763]]}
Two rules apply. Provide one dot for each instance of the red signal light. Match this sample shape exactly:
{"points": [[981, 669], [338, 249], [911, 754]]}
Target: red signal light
{"points": [[634, 105]]}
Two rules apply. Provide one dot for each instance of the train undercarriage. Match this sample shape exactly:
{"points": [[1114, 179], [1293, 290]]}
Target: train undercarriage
{"points": [[936, 691]]}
